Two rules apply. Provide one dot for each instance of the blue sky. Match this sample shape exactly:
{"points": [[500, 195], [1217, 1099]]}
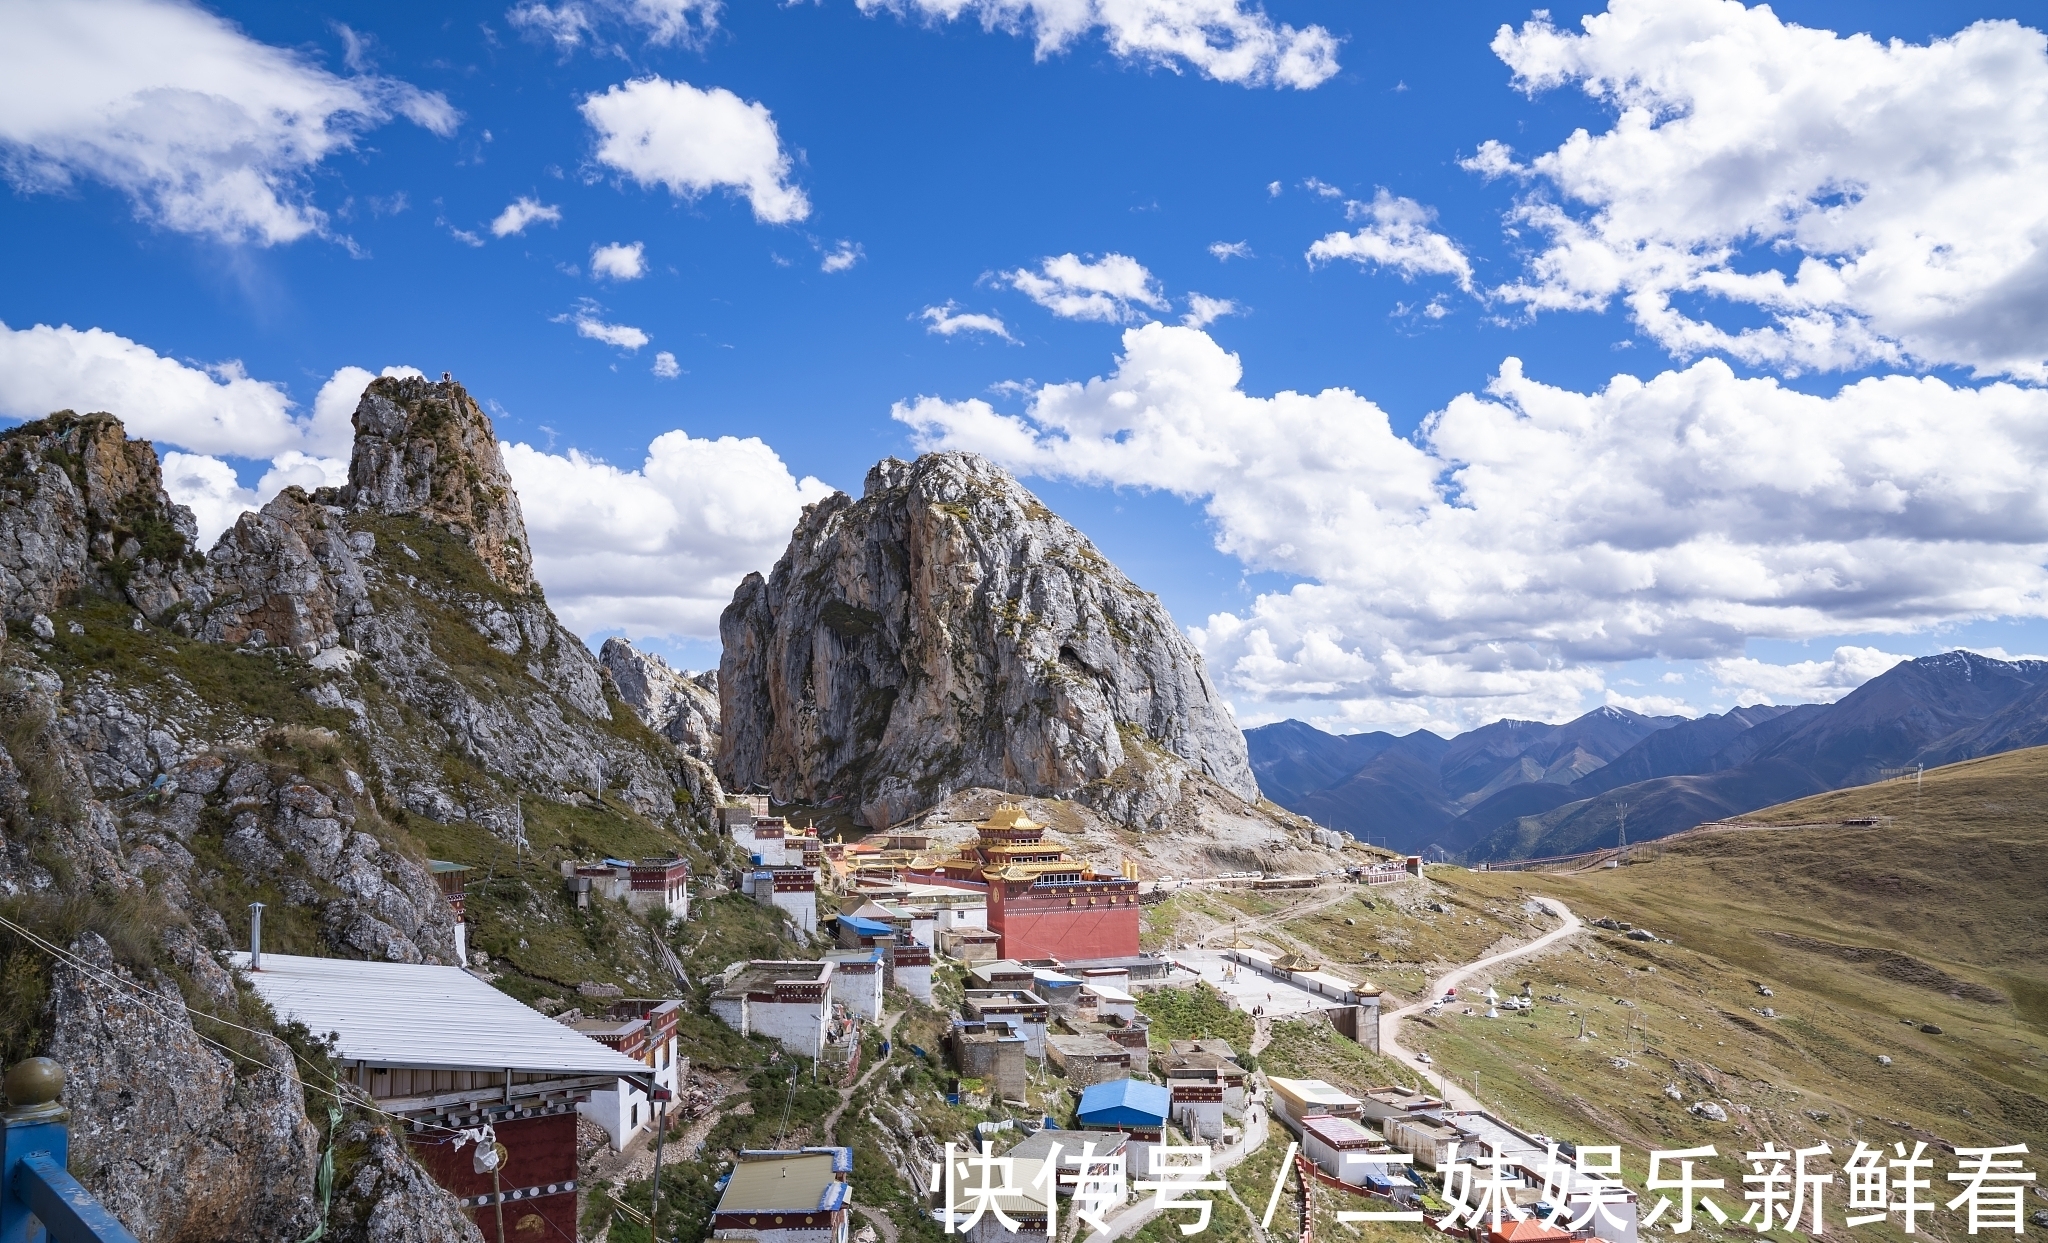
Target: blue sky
{"points": [[939, 160]]}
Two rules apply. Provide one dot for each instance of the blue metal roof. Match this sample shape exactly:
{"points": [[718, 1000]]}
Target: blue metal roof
{"points": [[1132, 1102], [866, 927]]}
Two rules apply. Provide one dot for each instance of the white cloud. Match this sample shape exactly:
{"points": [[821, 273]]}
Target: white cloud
{"points": [[208, 412], [661, 22], [1875, 203], [521, 212], [586, 318], [1204, 310], [693, 141], [206, 130], [1397, 235], [842, 257], [1747, 681], [1273, 189], [1530, 536], [657, 550], [1493, 159], [1225, 40], [1321, 188], [619, 261], [665, 366], [1226, 251], [1074, 288], [949, 320]]}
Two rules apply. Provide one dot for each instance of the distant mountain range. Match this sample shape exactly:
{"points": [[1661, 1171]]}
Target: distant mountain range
{"points": [[1524, 789]]}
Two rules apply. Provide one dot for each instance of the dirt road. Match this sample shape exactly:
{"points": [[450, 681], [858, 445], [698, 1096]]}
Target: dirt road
{"points": [[1390, 1030]]}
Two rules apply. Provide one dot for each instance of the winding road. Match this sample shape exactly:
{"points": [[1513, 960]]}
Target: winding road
{"points": [[1390, 1031]]}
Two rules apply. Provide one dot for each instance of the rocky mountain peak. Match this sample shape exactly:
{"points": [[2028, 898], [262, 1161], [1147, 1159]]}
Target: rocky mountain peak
{"points": [[425, 447], [79, 500], [947, 630], [682, 707]]}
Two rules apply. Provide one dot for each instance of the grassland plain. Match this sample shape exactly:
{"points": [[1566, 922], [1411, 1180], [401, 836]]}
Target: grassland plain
{"points": [[1917, 939]]}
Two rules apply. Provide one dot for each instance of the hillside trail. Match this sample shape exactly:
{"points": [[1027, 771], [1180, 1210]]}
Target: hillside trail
{"points": [[846, 1093], [1266, 923], [1390, 1032]]}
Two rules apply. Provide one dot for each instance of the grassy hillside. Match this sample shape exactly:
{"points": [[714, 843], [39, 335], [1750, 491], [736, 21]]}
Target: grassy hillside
{"points": [[1917, 940]]}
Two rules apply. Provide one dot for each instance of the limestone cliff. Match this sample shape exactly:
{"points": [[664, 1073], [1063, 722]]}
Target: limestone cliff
{"points": [[349, 681], [682, 707], [947, 630]]}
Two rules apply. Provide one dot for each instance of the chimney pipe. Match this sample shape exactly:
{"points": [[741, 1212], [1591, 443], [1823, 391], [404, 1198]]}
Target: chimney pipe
{"points": [[255, 936]]}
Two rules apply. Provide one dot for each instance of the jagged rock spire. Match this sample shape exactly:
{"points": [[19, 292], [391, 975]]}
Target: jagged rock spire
{"points": [[424, 447]]}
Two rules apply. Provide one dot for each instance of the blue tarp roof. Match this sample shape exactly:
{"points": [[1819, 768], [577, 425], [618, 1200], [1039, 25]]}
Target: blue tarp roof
{"points": [[865, 927], [1132, 1102]]}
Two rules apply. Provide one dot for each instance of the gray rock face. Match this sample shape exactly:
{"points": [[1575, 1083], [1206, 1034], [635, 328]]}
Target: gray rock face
{"points": [[948, 630], [81, 502], [152, 1105], [390, 1199], [285, 576], [426, 448], [679, 706]]}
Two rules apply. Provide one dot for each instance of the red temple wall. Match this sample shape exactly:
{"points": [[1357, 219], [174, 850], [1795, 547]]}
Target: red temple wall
{"points": [[1078, 932], [538, 1151]]}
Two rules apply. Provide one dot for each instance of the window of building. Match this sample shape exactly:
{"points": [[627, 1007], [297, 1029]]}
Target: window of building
{"points": [[636, 1115]]}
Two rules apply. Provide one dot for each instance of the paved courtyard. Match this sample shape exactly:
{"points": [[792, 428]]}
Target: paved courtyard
{"points": [[1244, 986]]}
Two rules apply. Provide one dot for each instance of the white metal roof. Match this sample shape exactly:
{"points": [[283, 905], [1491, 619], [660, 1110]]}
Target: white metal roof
{"points": [[396, 1014]]}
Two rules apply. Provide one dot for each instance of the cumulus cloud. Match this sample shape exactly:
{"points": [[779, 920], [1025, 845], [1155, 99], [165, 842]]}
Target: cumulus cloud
{"points": [[521, 212], [693, 141], [1224, 40], [1204, 310], [1397, 236], [1226, 251], [208, 413], [1802, 682], [619, 261], [1106, 289], [1530, 535], [578, 23], [589, 322], [665, 366], [1874, 203], [841, 257], [949, 320], [656, 550], [206, 130]]}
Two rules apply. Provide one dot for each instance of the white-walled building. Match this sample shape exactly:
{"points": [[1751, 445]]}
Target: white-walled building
{"points": [[787, 1197], [793, 891], [644, 1030], [1110, 1000], [910, 969], [1197, 1107], [790, 1002], [857, 980]]}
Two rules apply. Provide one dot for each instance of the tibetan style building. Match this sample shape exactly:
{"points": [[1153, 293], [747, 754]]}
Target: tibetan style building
{"points": [[1043, 902]]}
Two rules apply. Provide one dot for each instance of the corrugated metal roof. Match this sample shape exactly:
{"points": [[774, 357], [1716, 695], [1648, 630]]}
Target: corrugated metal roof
{"points": [[397, 1014], [1131, 1098]]}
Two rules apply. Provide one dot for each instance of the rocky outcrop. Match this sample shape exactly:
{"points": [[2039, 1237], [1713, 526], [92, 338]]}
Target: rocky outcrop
{"points": [[287, 576], [426, 448], [180, 735], [81, 502], [948, 630], [682, 707], [153, 1106], [390, 1199]]}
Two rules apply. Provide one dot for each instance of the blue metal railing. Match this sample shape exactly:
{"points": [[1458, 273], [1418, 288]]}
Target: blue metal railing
{"points": [[39, 1200]]}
